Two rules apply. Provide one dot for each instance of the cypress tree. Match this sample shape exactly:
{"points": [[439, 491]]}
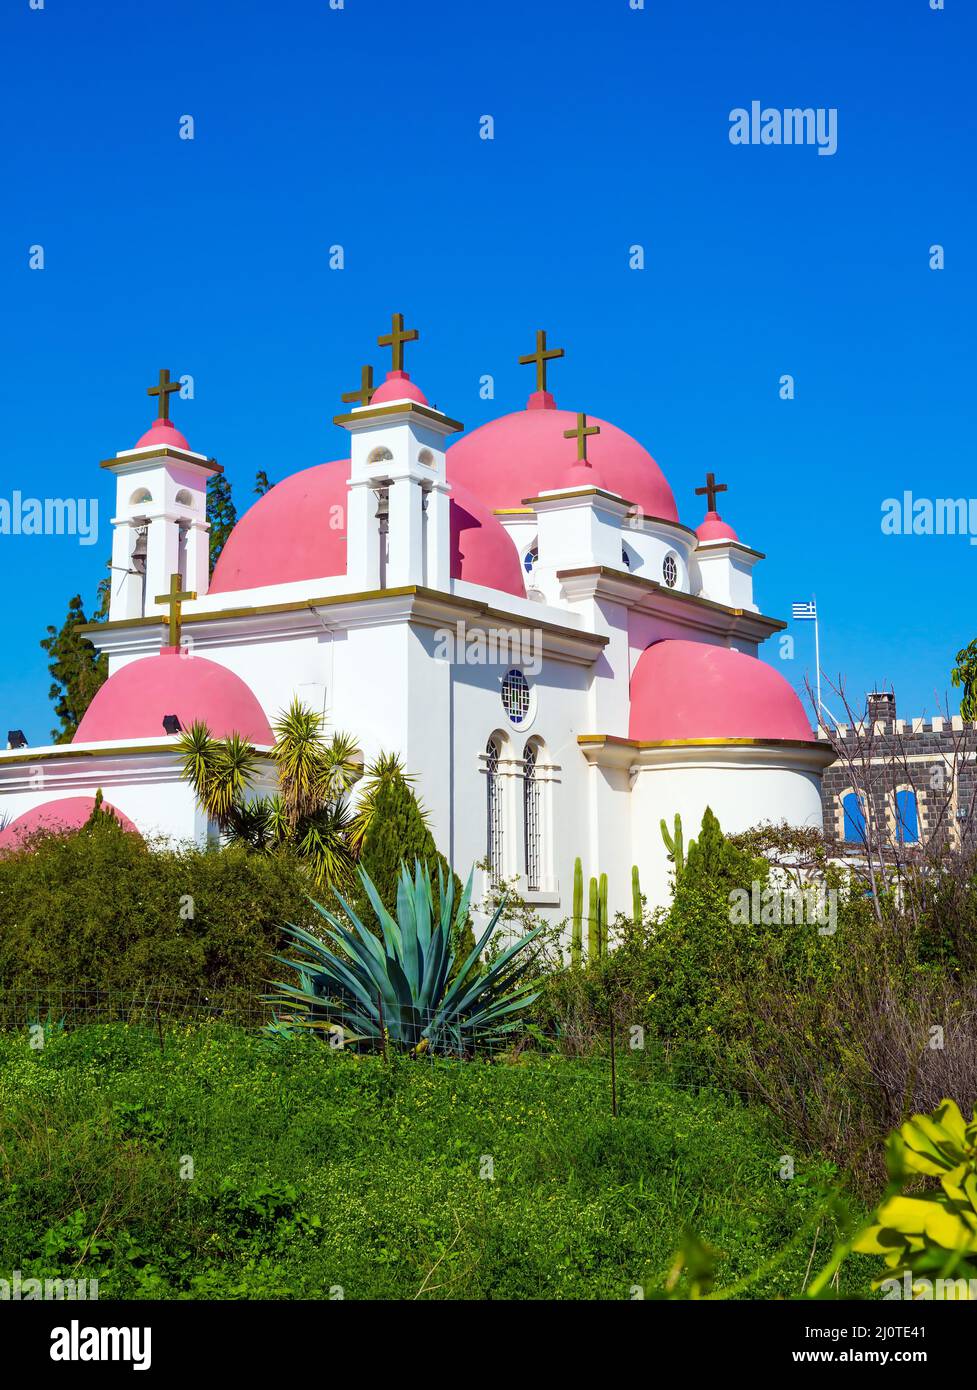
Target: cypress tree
{"points": [[77, 669], [221, 513]]}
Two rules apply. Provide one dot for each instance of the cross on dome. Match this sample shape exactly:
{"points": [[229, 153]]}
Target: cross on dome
{"points": [[580, 434], [174, 601], [710, 490], [365, 394], [396, 339], [163, 389], [541, 356]]}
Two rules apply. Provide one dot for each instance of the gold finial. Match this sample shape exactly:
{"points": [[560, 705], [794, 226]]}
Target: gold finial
{"points": [[580, 434], [396, 339], [541, 356], [365, 394], [163, 390], [174, 600], [710, 490]]}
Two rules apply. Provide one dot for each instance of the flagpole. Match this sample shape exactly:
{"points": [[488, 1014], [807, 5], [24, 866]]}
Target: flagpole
{"points": [[817, 657]]}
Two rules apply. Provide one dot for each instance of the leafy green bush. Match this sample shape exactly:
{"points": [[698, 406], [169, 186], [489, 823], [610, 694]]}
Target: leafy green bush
{"points": [[99, 910]]}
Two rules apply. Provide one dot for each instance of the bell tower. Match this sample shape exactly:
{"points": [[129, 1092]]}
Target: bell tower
{"points": [[160, 524], [398, 520]]}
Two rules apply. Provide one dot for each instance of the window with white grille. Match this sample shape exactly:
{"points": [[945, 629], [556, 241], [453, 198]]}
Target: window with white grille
{"points": [[531, 818], [493, 753]]}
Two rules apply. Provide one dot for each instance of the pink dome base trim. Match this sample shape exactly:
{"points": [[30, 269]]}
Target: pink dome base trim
{"points": [[683, 690], [132, 703], [713, 528], [162, 434], [57, 817], [398, 387]]}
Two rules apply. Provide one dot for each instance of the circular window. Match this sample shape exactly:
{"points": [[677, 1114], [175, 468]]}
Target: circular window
{"points": [[670, 571], [517, 697], [530, 558]]}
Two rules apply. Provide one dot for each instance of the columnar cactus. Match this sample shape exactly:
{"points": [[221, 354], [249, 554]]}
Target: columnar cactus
{"points": [[637, 910], [576, 944], [675, 845], [593, 925], [602, 916]]}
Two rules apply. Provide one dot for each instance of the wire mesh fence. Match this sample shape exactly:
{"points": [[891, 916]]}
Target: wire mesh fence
{"points": [[625, 1049]]}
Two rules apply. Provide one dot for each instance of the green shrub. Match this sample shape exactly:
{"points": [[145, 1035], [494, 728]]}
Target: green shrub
{"points": [[98, 910]]}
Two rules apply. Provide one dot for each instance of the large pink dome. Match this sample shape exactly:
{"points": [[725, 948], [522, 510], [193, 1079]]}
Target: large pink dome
{"points": [[691, 690], [524, 454], [297, 530], [132, 703], [55, 817]]}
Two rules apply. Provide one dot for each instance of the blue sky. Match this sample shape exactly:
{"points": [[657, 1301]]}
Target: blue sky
{"points": [[360, 126]]}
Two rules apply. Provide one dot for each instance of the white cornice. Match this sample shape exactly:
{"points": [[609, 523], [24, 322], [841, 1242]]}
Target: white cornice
{"points": [[648, 596]]}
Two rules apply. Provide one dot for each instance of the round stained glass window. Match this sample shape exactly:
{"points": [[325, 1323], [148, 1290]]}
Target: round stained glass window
{"points": [[670, 571], [516, 697]]}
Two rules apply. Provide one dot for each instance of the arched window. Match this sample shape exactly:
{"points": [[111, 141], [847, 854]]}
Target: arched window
{"points": [[530, 558], [854, 818], [907, 817], [531, 818], [493, 752]]}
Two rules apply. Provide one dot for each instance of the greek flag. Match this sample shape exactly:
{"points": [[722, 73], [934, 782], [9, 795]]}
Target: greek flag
{"points": [[804, 612]]}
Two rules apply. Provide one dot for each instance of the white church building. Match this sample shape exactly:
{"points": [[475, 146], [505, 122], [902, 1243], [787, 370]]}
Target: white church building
{"points": [[518, 613]]}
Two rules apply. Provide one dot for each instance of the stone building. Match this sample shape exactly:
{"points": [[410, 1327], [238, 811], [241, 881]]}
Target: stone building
{"points": [[912, 779]]}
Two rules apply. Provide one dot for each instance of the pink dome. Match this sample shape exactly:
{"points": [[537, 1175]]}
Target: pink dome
{"points": [[524, 454], [714, 528], [297, 530], [55, 817], [398, 387], [481, 551], [132, 703], [162, 434], [691, 690]]}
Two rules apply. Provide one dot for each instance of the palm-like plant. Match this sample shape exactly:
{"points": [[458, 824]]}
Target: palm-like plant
{"points": [[310, 812], [403, 986]]}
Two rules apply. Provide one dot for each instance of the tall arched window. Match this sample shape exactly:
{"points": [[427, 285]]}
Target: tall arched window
{"points": [[907, 817], [531, 818], [854, 818], [493, 753]]}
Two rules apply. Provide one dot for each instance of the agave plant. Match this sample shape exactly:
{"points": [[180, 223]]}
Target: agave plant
{"points": [[402, 987]]}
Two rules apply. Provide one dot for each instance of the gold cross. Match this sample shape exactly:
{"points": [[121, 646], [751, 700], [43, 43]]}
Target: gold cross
{"points": [[580, 435], [710, 490], [163, 391], [365, 394], [174, 601], [396, 339], [541, 356]]}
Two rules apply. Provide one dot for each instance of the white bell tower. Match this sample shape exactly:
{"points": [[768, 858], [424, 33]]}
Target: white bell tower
{"points": [[398, 526], [160, 524]]}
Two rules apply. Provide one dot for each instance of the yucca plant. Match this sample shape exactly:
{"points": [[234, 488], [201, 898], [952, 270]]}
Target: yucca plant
{"points": [[402, 987], [308, 814]]}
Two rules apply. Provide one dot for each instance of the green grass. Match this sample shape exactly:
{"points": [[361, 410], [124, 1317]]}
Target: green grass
{"points": [[314, 1170]]}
